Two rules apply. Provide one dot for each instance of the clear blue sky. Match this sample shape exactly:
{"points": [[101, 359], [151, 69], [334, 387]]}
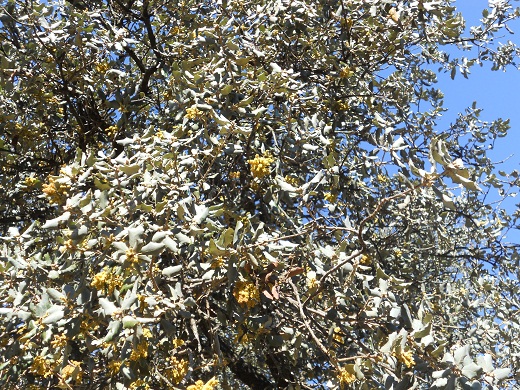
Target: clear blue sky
{"points": [[496, 92]]}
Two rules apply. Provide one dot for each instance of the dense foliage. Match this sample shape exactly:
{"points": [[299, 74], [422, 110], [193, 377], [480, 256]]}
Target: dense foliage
{"points": [[232, 193]]}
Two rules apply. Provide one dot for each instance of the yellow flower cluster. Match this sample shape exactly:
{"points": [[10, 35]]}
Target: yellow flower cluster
{"points": [[41, 367], [260, 165], [365, 260], [114, 366], [131, 256], [347, 374], [30, 181], [177, 343], [234, 175], [342, 105], [140, 351], [88, 323], [338, 335], [68, 246], [72, 370], [193, 113], [175, 30], [382, 179], [217, 263], [177, 370], [406, 358], [139, 384], [331, 198], [111, 130], [346, 72], [246, 294], [58, 341], [312, 282], [106, 279], [102, 67], [294, 181], [54, 191], [200, 385]]}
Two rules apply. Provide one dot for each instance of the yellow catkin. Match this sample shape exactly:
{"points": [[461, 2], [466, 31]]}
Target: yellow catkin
{"points": [[406, 358], [261, 165], [200, 385], [246, 294], [346, 374], [193, 113], [177, 370]]}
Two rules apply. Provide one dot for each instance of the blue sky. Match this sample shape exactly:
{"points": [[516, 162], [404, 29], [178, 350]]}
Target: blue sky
{"points": [[496, 92]]}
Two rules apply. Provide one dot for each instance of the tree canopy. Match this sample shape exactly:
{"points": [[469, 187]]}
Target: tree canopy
{"points": [[252, 194]]}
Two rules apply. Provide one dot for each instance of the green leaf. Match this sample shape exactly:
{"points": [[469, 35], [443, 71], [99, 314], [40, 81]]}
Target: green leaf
{"points": [[152, 248], [129, 322], [501, 373], [471, 370], [173, 270], [54, 223], [54, 314]]}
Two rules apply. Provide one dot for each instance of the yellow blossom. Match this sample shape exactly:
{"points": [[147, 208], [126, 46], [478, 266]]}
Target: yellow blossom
{"points": [[200, 385], [111, 130], [175, 30], [106, 280], [217, 263], [338, 335], [346, 72], [142, 301], [342, 105], [347, 374], [68, 246], [140, 351], [31, 181], [234, 175], [294, 181], [72, 370], [260, 165], [102, 67], [365, 260], [131, 256], [331, 198], [59, 340], [177, 343], [176, 370], [54, 191], [41, 367], [406, 358], [193, 113], [312, 283], [246, 294], [382, 179], [139, 383], [114, 366], [147, 334]]}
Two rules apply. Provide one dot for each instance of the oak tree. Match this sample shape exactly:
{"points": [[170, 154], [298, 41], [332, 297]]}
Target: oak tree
{"points": [[252, 193]]}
